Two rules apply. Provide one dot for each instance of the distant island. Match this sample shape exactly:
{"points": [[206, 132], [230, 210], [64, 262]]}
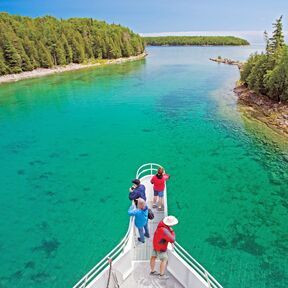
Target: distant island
{"points": [[263, 87], [28, 44], [195, 41]]}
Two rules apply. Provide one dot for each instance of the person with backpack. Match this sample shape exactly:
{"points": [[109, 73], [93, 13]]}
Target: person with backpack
{"points": [[141, 218]]}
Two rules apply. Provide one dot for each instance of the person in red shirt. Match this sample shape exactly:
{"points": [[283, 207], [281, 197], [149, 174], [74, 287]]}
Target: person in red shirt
{"points": [[163, 235], [158, 182]]}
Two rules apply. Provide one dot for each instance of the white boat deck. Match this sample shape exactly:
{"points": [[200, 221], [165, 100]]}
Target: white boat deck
{"points": [[142, 252], [140, 278], [130, 258]]}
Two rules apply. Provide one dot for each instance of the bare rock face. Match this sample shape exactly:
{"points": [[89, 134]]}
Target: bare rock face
{"points": [[273, 114]]}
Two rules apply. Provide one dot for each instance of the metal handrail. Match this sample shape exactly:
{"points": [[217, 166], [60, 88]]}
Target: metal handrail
{"points": [[198, 264], [211, 281], [102, 264], [114, 253], [178, 249], [206, 276], [149, 167]]}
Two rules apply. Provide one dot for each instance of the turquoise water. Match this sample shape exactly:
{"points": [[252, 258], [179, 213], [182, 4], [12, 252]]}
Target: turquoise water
{"points": [[71, 143]]}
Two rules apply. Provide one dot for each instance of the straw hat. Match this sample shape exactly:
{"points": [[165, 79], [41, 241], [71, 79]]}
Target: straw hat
{"points": [[170, 220]]}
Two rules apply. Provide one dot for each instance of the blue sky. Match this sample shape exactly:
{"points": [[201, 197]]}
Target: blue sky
{"points": [[161, 15]]}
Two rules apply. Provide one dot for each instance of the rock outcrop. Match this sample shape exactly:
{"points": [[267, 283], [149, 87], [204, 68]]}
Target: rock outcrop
{"points": [[227, 61], [260, 107]]}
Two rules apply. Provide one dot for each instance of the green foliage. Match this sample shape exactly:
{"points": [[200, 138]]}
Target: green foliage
{"points": [[277, 40], [60, 53], [11, 57], [27, 43], [3, 68], [247, 68], [258, 72], [45, 60], [268, 73], [277, 79], [195, 40]]}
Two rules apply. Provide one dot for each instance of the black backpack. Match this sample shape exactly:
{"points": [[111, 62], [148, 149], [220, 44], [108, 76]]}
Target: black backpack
{"points": [[150, 214]]}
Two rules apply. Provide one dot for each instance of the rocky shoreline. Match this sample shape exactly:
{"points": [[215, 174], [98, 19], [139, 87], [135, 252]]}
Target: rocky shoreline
{"points": [[227, 61], [260, 107], [41, 72]]}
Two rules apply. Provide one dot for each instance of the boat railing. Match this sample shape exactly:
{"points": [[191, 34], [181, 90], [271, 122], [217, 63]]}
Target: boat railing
{"points": [[103, 264], [147, 169], [144, 170], [206, 276], [211, 282]]}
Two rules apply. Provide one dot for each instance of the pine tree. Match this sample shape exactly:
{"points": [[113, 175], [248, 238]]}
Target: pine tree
{"points": [[31, 52], [277, 40], [60, 54], [4, 69], [46, 60], [256, 77], [247, 68], [277, 83], [12, 58], [268, 47], [68, 49], [25, 62], [78, 52]]}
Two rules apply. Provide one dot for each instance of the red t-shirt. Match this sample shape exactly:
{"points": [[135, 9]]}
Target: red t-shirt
{"points": [[159, 184]]}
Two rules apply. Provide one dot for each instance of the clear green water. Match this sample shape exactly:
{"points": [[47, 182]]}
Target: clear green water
{"points": [[70, 144]]}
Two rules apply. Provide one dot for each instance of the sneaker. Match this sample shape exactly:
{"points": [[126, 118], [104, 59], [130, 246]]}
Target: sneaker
{"points": [[139, 239], [159, 208], [154, 273], [147, 235], [163, 277], [154, 205]]}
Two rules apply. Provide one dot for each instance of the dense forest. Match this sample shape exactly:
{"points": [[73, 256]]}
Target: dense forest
{"points": [[28, 43], [194, 41], [267, 73]]}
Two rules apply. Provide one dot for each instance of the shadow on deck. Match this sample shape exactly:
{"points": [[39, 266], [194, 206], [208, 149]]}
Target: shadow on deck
{"points": [[140, 278]]}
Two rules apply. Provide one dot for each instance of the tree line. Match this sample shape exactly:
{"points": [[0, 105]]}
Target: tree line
{"points": [[267, 73], [195, 41], [28, 43]]}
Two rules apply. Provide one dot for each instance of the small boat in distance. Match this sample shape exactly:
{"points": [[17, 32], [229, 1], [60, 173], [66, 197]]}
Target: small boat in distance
{"points": [[127, 265]]}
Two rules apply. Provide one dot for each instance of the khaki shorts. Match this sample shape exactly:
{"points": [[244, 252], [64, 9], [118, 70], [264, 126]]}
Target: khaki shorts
{"points": [[163, 256]]}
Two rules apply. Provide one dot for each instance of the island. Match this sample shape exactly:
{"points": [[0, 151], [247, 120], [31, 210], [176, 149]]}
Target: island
{"points": [[195, 41], [33, 47]]}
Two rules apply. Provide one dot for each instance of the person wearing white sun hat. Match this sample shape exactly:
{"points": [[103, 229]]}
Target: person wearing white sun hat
{"points": [[163, 235]]}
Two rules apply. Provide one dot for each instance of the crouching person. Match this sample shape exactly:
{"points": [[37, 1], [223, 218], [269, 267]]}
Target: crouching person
{"points": [[141, 218], [162, 236]]}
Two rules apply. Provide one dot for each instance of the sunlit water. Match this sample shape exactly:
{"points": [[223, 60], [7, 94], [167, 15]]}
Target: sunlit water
{"points": [[70, 145]]}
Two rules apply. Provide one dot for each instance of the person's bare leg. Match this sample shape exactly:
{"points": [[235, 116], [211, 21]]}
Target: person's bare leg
{"points": [[155, 200], [163, 267], [152, 263], [160, 202]]}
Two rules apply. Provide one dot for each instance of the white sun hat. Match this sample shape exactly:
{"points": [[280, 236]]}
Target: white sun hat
{"points": [[170, 220]]}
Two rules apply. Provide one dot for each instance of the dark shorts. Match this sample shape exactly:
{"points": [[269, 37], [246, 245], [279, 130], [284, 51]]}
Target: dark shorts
{"points": [[159, 193]]}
